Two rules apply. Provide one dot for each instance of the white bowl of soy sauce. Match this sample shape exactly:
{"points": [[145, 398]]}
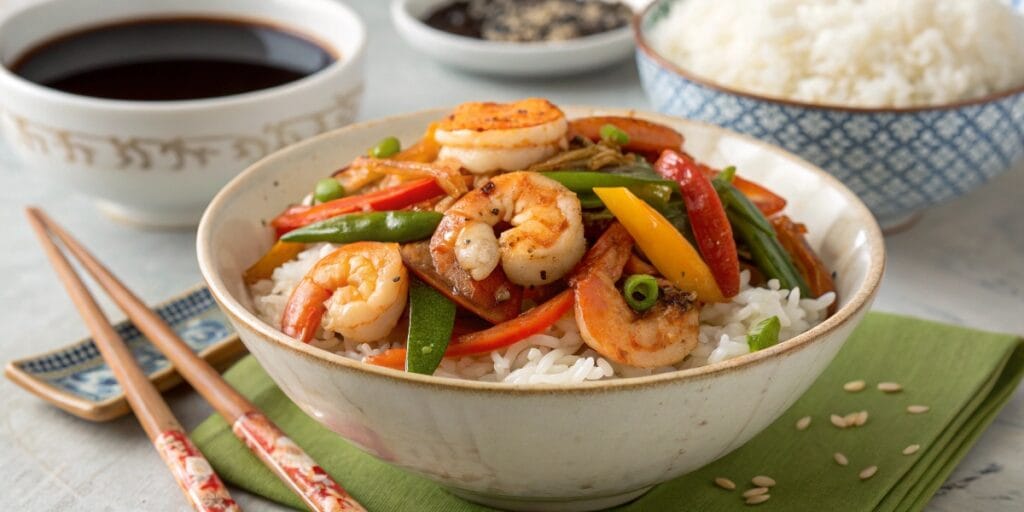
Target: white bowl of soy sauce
{"points": [[151, 107], [519, 38]]}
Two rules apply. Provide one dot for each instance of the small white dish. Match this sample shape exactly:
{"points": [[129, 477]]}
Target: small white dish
{"points": [[509, 59], [157, 163]]}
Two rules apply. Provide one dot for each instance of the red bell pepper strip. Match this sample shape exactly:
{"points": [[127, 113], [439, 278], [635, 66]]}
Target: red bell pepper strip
{"points": [[810, 266], [708, 220], [532, 322], [765, 200], [647, 138], [392, 198]]}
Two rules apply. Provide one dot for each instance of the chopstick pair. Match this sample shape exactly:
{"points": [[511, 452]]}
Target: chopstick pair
{"points": [[201, 485]]}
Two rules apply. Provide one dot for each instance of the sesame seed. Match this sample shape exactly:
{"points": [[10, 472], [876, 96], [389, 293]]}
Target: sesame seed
{"points": [[868, 472], [838, 421], [725, 483], [854, 386], [756, 491], [803, 423], [756, 500], [840, 459], [912, 449], [889, 387], [851, 419], [918, 409], [862, 418], [763, 481]]}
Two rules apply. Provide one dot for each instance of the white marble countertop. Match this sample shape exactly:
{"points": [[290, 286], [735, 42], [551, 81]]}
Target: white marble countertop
{"points": [[962, 263]]}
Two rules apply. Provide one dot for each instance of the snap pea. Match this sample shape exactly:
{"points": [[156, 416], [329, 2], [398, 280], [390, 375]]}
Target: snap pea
{"points": [[641, 292], [396, 226], [655, 192], [764, 334], [431, 321]]}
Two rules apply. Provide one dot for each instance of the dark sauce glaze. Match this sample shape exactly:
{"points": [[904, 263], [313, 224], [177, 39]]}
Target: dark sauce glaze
{"points": [[168, 59]]}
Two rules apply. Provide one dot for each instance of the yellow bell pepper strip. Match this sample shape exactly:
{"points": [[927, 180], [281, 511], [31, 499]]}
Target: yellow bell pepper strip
{"points": [[278, 254], [664, 246]]}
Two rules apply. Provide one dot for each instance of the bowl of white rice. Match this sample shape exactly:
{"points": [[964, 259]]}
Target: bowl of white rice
{"points": [[909, 103], [543, 424]]}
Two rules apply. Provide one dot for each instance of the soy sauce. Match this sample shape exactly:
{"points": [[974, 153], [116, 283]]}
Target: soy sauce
{"points": [[170, 59]]}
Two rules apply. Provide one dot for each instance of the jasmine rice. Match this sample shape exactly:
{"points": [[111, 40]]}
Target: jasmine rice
{"points": [[559, 356], [866, 53]]}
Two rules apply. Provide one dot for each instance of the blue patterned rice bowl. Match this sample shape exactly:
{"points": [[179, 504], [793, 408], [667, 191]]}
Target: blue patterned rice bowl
{"points": [[898, 160]]}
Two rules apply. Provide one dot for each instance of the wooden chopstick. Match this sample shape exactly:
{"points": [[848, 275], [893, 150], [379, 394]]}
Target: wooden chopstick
{"points": [[279, 453], [202, 487]]}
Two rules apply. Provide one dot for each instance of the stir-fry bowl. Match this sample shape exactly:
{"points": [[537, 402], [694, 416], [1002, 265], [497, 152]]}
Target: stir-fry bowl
{"points": [[898, 160], [543, 447]]}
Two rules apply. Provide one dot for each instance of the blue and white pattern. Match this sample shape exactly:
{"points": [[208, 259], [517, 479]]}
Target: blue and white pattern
{"points": [[81, 371], [898, 163]]}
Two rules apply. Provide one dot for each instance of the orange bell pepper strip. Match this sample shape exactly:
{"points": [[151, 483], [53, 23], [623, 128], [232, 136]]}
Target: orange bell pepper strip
{"points": [[534, 321], [424, 150], [708, 220], [278, 254], [662, 243], [645, 137], [391, 198]]}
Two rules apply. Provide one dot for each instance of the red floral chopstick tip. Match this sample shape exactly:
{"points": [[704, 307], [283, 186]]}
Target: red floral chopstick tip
{"points": [[293, 464], [192, 471]]}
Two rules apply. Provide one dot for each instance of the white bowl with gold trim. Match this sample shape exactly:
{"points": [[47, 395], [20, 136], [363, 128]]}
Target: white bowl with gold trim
{"points": [[159, 162], [543, 447]]}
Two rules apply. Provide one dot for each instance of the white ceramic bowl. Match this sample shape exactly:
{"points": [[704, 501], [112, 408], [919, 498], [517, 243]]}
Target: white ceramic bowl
{"points": [[159, 163], [543, 447], [508, 59]]}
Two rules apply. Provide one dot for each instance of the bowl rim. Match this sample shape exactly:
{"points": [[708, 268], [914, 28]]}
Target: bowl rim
{"points": [[860, 299], [343, 64], [642, 44], [403, 19]]}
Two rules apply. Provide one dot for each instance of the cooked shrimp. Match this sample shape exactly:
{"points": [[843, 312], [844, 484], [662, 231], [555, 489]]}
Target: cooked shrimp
{"points": [[488, 137], [660, 336], [358, 291], [543, 244]]}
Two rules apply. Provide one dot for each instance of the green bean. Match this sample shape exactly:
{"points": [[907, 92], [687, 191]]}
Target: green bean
{"points": [[768, 254], [641, 292], [328, 189], [397, 226], [386, 148], [655, 192]]}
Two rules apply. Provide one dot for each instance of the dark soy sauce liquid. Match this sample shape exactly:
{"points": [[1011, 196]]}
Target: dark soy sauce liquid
{"points": [[172, 59]]}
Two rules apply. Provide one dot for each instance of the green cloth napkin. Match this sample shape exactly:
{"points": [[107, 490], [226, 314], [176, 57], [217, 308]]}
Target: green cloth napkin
{"points": [[964, 375]]}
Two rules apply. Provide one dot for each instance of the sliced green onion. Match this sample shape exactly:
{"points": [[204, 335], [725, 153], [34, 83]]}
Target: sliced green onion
{"points": [[387, 147], [641, 292], [328, 189], [764, 334], [613, 134], [727, 174]]}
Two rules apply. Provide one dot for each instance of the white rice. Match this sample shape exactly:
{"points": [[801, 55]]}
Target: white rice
{"points": [[868, 53], [560, 356]]}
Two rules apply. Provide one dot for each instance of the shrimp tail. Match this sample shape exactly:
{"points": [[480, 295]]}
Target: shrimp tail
{"points": [[304, 310]]}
